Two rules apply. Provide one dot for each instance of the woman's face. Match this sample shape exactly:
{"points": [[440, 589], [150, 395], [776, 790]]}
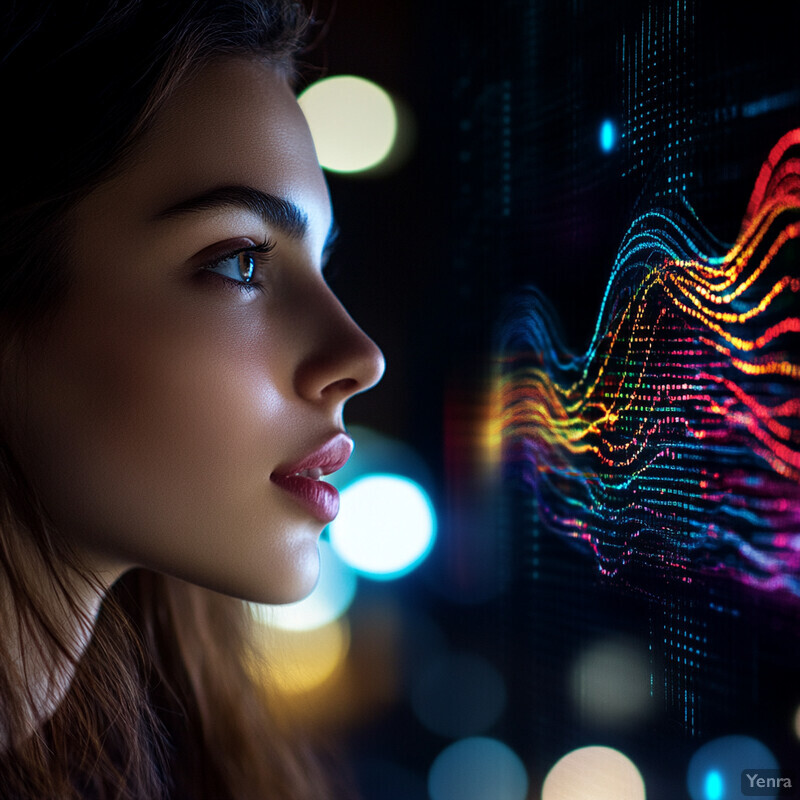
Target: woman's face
{"points": [[200, 360]]}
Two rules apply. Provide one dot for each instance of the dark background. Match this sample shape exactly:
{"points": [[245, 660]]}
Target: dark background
{"points": [[507, 186]]}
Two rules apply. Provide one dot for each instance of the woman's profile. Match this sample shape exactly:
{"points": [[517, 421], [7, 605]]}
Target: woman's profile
{"points": [[174, 374]]}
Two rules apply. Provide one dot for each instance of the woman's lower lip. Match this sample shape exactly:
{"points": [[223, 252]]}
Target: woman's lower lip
{"points": [[318, 497]]}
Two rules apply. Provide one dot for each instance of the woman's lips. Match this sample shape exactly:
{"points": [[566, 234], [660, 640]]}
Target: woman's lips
{"points": [[302, 478]]}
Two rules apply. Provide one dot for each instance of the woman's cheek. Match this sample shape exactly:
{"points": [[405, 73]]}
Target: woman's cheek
{"points": [[143, 426]]}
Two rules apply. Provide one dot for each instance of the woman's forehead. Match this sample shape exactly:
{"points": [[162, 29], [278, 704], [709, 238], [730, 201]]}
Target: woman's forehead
{"points": [[234, 123]]}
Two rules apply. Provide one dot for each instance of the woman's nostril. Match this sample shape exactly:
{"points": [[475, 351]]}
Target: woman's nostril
{"points": [[342, 388]]}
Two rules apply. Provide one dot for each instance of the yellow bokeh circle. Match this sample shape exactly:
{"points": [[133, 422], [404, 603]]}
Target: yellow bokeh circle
{"points": [[298, 661], [352, 120]]}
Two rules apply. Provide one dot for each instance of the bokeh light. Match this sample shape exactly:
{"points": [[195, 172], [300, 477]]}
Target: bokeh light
{"points": [[594, 773], [608, 136], [797, 723], [458, 695], [386, 525], [610, 682], [298, 661], [715, 771], [352, 120], [477, 769], [714, 786], [330, 599]]}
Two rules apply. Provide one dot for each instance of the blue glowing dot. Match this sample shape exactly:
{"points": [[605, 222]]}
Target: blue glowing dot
{"points": [[714, 786], [608, 136], [716, 768], [477, 769], [386, 526]]}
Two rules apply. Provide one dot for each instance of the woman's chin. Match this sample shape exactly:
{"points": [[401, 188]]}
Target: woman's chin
{"points": [[279, 582]]}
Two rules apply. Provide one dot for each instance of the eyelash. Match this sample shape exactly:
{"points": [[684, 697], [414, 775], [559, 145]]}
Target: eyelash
{"points": [[259, 253]]}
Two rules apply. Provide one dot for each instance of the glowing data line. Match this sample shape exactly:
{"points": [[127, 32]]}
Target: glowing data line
{"points": [[681, 422]]}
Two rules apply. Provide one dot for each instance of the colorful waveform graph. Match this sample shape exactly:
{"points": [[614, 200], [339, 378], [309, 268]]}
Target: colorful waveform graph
{"points": [[673, 442]]}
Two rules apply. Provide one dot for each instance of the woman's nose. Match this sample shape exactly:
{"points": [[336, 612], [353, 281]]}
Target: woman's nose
{"points": [[340, 360]]}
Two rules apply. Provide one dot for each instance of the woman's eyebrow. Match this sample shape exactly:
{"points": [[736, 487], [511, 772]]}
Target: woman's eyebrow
{"points": [[275, 211]]}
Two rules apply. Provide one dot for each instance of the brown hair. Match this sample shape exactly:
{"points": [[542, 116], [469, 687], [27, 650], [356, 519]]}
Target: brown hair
{"points": [[161, 704]]}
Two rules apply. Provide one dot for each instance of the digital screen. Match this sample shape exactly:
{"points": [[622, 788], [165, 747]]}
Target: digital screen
{"points": [[647, 387]]}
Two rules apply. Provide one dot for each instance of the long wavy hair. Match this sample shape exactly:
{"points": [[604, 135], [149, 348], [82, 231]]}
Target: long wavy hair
{"points": [[161, 704]]}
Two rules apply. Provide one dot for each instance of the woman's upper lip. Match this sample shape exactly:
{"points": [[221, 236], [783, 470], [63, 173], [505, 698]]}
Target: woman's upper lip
{"points": [[328, 458]]}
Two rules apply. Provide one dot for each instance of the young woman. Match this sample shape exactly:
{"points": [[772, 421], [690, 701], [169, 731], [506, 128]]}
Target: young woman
{"points": [[174, 369]]}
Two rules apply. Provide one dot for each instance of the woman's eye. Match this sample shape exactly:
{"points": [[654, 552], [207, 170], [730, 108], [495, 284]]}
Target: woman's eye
{"points": [[238, 267], [241, 266]]}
